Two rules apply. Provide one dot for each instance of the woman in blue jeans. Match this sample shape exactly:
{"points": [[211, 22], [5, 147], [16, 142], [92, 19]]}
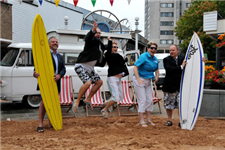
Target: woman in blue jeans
{"points": [[144, 69]]}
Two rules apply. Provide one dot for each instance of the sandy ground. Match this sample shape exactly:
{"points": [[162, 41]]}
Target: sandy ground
{"points": [[121, 133]]}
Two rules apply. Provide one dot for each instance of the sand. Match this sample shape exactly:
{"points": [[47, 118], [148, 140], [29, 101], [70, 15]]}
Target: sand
{"points": [[121, 133]]}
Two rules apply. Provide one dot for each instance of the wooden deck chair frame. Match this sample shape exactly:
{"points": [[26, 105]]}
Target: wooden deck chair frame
{"points": [[155, 97], [66, 95], [128, 100], [97, 100]]}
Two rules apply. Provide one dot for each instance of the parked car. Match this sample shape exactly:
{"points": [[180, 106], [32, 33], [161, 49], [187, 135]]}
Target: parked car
{"points": [[162, 71]]}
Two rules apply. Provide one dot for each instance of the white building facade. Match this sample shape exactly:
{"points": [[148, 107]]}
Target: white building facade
{"points": [[23, 16]]}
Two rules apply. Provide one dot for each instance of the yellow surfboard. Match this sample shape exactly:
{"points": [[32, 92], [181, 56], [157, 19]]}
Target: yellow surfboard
{"points": [[44, 66]]}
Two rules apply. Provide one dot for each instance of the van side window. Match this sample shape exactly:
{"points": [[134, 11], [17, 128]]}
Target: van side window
{"points": [[26, 58], [132, 58], [70, 58]]}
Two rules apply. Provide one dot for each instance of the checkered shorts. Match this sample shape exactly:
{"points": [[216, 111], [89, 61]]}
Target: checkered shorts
{"points": [[85, 76], [171, 100]]}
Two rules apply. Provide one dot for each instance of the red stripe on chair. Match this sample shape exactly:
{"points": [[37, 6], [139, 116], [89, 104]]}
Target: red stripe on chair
{"points": [[126, 94], [97, 99], [70, 92], [65, 94]]}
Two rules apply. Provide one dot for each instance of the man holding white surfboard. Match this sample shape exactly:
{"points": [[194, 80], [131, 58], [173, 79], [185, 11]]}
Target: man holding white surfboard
{"points": [[173, 65]]}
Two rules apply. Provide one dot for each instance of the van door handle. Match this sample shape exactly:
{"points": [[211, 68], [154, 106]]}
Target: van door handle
{"points": [[98, 70]]}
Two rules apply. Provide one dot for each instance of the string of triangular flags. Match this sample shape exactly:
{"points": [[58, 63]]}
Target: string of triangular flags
{"points": [[74, 1]]}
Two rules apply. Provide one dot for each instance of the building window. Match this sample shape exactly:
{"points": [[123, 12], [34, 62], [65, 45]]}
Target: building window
{"points": [[188, 5], [166, 14], [148, 9], [148, 17], [166, 23], [166, 32], [166, 41], [166, 5]]}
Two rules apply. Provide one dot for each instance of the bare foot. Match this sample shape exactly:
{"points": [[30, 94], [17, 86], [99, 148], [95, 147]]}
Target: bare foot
{"points": [[88, 103]]}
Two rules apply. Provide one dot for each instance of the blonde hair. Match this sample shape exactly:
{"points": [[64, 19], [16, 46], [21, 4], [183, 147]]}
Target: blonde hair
{"points": [[114, 42], [152, 43]]}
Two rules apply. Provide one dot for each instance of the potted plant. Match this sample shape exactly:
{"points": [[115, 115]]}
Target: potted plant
{"points": [[208, 76], [222, 41]]}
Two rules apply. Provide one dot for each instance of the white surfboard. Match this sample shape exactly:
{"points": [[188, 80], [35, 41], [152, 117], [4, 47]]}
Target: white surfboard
{"points": [[192, 83]]}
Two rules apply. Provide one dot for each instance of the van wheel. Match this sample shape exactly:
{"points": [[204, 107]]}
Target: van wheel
{"points": [[33, 100]]}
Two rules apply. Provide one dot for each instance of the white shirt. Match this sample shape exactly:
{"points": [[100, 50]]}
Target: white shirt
{"points": [[56, 61]]}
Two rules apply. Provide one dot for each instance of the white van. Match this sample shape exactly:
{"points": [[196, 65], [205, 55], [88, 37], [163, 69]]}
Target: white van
{"points": [[18, 83], [162, 72]]}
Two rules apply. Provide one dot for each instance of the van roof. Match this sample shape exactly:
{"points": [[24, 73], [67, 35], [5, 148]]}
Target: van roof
{"points": [[62, 47], [84, 32], [162, 55]]}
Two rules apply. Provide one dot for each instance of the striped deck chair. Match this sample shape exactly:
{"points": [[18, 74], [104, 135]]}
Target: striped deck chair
{"points": [[66, 95], [155, 97], [127, 101], [96, 100]]}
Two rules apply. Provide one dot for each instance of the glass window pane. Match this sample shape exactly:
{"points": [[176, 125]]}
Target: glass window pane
{"points": [[10, 57]]}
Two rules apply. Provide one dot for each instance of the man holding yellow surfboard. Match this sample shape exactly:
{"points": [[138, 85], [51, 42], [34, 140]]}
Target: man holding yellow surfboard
{"points": [[60, 70]]}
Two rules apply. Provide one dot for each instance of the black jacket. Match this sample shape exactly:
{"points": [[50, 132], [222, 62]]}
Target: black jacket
{"points": [[61, 70], [173, 74], [91, 50], [115, 62]]}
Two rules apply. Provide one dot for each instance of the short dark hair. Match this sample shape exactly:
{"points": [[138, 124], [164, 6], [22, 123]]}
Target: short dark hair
{"points": [[175, 46]]}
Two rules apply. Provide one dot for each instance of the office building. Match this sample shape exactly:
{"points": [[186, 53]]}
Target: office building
{"points": [[160, 19]]}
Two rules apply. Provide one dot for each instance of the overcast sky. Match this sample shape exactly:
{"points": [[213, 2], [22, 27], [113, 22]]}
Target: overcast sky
{"points": [[120, 8]]}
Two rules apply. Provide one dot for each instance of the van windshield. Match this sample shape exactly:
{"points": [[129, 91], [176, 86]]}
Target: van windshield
{"points": [[9, 58], [160, 64]]}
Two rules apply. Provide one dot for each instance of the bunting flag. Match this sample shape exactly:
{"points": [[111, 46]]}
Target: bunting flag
{"points": [[57, 2], [111, 2], [40, 1], [93, 2], [75, 2], [20, 1], [129, 2]]}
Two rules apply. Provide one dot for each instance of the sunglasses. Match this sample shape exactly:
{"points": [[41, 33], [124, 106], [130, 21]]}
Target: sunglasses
{"points": [[153, 48], [98, 33], [114, 47]]}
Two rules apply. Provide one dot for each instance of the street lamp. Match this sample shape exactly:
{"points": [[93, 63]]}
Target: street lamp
{"points": [[136, 32]]}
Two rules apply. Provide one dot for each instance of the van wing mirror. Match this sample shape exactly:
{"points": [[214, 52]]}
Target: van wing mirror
{"points": [[20, 61]]}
